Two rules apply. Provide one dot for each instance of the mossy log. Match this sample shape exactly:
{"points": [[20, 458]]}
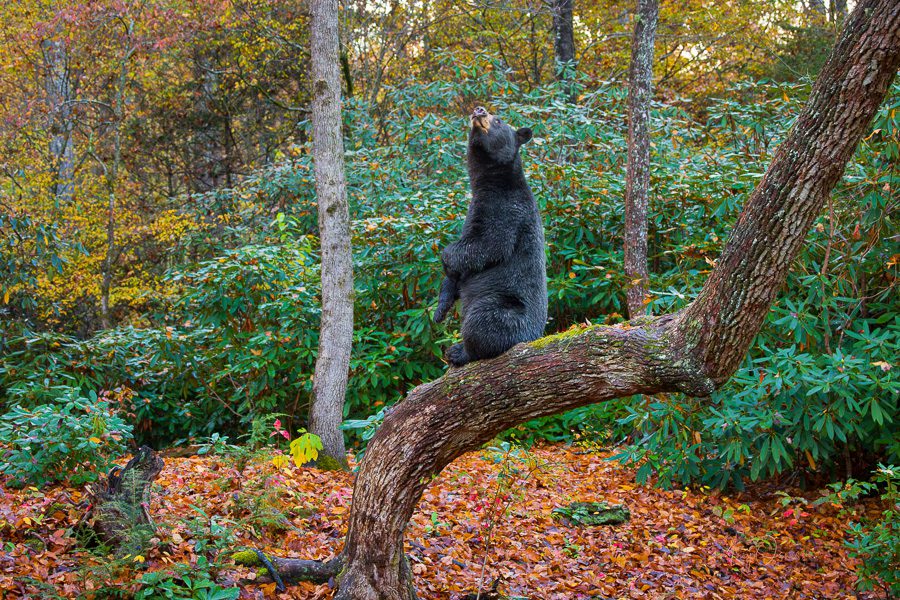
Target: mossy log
{"points": [[291, 570]]}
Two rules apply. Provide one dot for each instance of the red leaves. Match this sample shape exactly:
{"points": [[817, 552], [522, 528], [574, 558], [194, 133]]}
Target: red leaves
{"points": [[278, 430]]}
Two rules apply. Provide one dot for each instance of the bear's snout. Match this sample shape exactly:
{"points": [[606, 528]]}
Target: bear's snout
{"points": [[481, 118]]}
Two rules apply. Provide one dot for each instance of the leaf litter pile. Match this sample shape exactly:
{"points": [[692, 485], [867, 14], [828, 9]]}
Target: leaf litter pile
{"points": [[494, 517]]}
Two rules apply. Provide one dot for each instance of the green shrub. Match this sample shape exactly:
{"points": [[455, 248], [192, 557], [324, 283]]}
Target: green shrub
{"points": [[874, 542], [185, 582], [237, 336], [73, 438]]}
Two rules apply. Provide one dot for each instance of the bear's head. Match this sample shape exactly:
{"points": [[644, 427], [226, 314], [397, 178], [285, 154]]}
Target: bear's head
{"points": [[493, 141]]}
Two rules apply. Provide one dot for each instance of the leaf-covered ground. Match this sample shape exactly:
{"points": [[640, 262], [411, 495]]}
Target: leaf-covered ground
{"points": [[471, 524]]}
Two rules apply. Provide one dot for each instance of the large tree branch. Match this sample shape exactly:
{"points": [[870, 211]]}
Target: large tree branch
{"points": [[772, 228], [692, 351]]}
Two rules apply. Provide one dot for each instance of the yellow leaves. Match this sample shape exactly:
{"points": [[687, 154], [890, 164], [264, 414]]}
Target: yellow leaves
{"points": [[281, 461], [6, 296], [95, 440], [305, 448]]}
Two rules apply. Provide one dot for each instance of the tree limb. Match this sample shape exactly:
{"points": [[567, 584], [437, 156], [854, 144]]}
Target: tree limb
{"points": [[693, 351]]}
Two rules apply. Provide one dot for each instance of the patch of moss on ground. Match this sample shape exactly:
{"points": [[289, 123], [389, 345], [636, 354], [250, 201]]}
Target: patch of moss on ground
{"points": [[327, 463]]}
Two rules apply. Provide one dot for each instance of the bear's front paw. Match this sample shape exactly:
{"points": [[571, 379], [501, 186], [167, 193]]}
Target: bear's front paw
{"points": [[440, 313], [457, 356]]}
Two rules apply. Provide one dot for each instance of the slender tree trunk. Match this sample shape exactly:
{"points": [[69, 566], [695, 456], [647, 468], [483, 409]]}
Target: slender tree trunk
{"points": [[693, 351], [210, 138], [839, 12], [637, 178], [59, 90], [112, 180], [106, 281], [564, 41], [336, 333], [345, 70]]}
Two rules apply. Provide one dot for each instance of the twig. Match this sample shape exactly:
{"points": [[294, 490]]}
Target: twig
{"points": [[273, 572]]}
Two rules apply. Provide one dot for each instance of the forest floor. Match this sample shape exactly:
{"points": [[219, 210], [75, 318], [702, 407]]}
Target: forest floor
{"points": [[488, 514]]}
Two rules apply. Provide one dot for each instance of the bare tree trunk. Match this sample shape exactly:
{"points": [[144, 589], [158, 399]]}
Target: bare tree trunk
{"points": [[112, 180], [637, 178], [564, 41], [210, 137], [59, 89], [336, 332], [693, 351]]}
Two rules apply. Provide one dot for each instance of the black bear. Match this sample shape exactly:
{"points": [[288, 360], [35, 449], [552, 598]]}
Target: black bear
{"points": [[497, 268]]}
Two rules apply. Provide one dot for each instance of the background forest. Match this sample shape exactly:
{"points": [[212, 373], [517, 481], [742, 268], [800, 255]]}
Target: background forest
{"points": [[160, 284], [158, 222]]}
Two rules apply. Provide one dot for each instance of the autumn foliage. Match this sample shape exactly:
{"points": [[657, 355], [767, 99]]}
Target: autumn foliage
{"points": [[488, 516], [160, 284]]}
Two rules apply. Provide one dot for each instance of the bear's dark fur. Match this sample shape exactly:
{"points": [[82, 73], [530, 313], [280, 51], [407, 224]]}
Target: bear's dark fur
{"points": [[497, 268]]}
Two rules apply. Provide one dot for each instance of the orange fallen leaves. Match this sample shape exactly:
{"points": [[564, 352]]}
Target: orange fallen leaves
{"points": [[676, 545]]}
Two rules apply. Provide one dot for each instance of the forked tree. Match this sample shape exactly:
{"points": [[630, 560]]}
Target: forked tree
{"points": [[693, 351]]}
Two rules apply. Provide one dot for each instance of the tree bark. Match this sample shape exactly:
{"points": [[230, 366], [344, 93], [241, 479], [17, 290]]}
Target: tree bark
{"points": [[58, 86], [564, 42], [336, 330], [637, 177], [693, 351]]}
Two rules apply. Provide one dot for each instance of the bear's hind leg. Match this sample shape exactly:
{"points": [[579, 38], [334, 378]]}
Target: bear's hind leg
{"points": [[491, 326]]}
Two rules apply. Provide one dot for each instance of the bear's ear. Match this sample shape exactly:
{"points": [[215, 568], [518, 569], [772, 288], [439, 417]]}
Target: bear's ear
{"points": [[523, 135]]}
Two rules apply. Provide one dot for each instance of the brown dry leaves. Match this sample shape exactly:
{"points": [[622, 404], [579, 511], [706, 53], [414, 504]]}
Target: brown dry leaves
{"points": [[677, 544]]}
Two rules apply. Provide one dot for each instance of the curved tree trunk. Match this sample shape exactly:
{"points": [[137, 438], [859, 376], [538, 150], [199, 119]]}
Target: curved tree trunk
{"points": [[637, 177], [692, 351], [336, 329]]}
